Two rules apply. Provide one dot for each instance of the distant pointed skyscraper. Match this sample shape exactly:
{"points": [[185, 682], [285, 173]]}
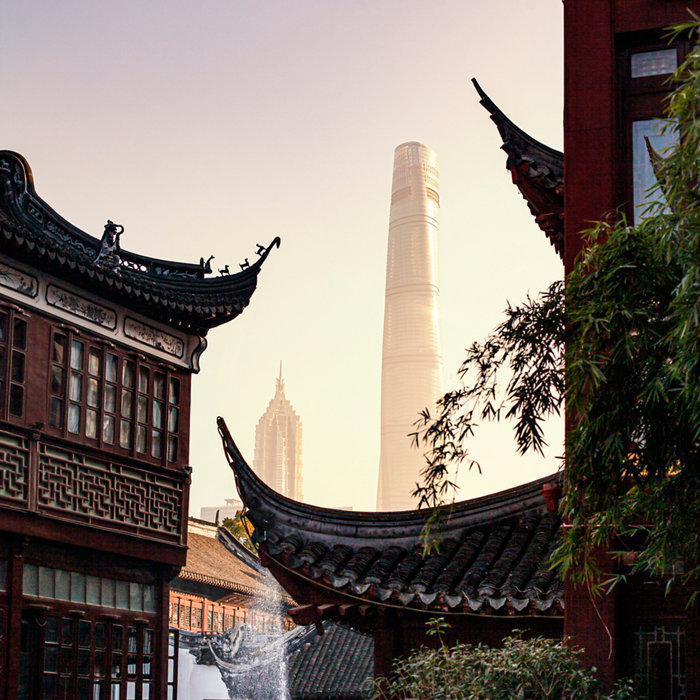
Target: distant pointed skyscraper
{"points": [[411, 360], [278, 445]]}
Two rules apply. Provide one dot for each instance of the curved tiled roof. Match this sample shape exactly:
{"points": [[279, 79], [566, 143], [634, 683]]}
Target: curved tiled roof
{"points": [[178, 294], [537, 171], [211, 562], [493, 557]]}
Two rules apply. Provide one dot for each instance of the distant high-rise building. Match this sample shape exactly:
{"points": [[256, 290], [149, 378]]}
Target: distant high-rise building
{"points": [[411, 360], [278, 445]]}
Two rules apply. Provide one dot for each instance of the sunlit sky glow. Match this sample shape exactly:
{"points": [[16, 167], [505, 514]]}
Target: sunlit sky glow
{"points": [[205, 128]]}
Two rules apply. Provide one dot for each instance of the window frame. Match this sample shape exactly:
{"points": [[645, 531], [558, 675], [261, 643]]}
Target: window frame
{"points": [[121, 402], [639, 99], [9, 350]]}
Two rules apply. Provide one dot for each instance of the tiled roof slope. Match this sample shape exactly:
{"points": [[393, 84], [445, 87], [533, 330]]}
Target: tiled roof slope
{"points": [[178, 294], [338, 664], [494, 556], [211, 562], [537, 171]]}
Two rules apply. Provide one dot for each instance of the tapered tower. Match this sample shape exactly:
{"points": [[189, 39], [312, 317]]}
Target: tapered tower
{"points": [[278, 445], [411, 360]]}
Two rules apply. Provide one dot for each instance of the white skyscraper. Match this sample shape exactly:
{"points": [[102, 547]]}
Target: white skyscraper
{"points": [[278, 446], [411, 359]]}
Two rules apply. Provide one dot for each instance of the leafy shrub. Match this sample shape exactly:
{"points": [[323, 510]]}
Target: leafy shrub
{"points": [[524, 669]]}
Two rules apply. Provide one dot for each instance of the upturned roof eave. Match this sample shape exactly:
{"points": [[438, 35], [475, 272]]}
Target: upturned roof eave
{"points": [[176, 293], [267, 506]]}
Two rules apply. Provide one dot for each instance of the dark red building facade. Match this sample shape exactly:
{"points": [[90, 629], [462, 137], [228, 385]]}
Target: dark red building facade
{"points": [[617, 61], [97, 350]]}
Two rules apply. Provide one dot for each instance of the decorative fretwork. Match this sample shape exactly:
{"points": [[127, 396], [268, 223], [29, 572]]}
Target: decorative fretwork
{"points": [[90, 488], [14, 467], [659, 662]]}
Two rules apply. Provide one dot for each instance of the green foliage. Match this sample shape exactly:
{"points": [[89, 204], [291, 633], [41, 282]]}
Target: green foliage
{"points": [[631, 327], [530, 343], [535, 669], [633, 369], [241, 529]]}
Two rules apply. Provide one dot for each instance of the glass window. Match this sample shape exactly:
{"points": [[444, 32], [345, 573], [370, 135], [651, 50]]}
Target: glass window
{"points": [[648, 63], [109, 397], [643, 177]]}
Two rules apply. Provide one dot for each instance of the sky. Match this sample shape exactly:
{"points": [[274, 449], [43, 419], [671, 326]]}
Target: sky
{"points": [[206, 128]]}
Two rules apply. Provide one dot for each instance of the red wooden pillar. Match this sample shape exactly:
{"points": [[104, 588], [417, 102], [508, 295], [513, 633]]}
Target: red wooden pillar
{"points": [[14, 620], [592, 623]]}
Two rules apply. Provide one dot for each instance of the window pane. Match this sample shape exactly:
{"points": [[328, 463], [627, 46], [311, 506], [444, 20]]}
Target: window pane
{"points": [[30, 576], [92, 590], [77, 350], [51, 630], [156, 444], [125, 434], [56, 413], [57, 380], [62, 584], [19, 338], [174, 390], [128, 374], [127, 403], [94, 362], [123, 595], [149, 605], [73, 418], [157, 414], [3, 327], [110, 398], [75, 387], [77, 587], [111, 368], [143, 379], [17, 371], [141, 439], [135, 596], [91, 424], [173, 414], [142, 409], [93, 392], [59, 348], [653, 63], [108, 592], [159, 385], [108, 426], [46, 582], [172, 449], [643, 176], [16, 399]]}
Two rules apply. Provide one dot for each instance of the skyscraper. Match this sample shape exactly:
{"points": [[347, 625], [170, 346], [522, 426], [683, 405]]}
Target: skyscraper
{"points": [[411, 360], [278, 445]]}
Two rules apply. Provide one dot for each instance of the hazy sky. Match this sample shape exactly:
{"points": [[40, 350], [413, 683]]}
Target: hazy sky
{"points": [[205, 128]]}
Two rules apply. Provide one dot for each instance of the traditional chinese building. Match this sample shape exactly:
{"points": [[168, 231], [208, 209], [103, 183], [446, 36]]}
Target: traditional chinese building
{"points": [[97, 350], [493, 574], [222, 584], [367, 570]]}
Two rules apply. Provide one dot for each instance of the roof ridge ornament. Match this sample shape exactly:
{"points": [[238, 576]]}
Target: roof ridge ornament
{"points": [[108, 255]]}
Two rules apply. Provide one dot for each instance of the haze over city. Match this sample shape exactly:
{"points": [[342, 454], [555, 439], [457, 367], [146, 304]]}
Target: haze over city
{"points": [[207, 129]]}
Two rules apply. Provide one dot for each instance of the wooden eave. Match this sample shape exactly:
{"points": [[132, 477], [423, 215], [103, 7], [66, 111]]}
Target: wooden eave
{"points": [[493, 558], [537, 171], [178, 294]]}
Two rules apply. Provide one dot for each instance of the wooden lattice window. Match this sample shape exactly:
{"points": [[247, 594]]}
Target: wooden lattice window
{"points": [[13, 361], [660, 662], [112, 398], [83, 655]]}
